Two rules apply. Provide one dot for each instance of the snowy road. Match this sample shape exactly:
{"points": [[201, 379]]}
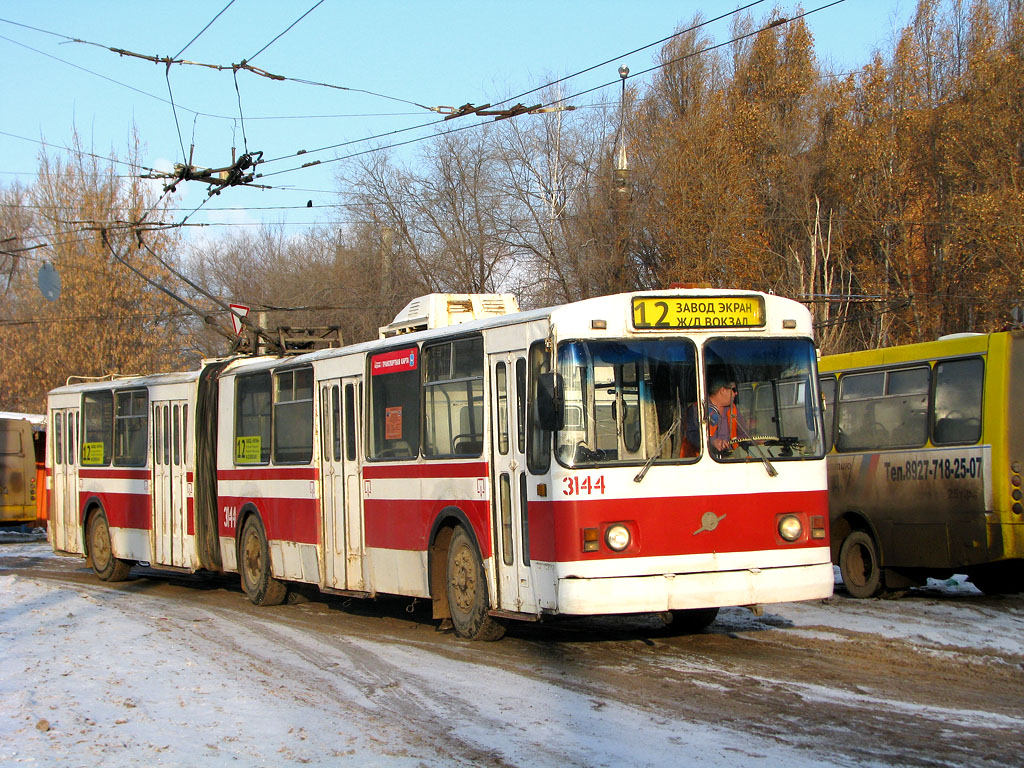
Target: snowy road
{"points": [[173, 670]]}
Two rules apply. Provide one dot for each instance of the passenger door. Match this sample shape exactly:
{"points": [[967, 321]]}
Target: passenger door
{"points": [[169, 420], [64, 463], [509, 510], [339, 476]]}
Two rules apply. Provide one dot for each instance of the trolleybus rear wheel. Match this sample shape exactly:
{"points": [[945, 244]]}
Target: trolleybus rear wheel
{"points": [[467, 591], [101, 554], [860, 566], [254, 566]]}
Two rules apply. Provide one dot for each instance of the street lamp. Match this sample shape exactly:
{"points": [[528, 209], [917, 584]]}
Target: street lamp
{"points": [[621, 163]]}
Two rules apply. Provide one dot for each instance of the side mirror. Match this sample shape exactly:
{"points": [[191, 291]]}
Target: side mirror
{"points": [[550, 401]]}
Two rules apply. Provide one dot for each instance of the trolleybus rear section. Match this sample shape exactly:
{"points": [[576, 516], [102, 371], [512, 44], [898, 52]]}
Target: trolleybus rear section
{"points": [[926, 460], [517, 465]]}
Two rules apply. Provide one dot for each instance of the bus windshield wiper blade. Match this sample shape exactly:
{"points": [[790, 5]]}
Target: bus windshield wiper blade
{"points": [[661, 444]]}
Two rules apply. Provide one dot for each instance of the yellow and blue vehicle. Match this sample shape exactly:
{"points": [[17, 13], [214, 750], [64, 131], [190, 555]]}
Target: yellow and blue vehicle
{"points": [[926, 452]]}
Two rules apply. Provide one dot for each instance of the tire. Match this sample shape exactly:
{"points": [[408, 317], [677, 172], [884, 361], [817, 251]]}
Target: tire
{"points": [[1004, 578], [254, 566], [690, 622], [860, 566], [101, 553], [467, 591]]}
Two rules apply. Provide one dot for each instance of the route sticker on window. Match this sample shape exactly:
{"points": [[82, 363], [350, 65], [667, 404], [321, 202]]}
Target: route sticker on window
{"points": [[247, 449], [92, 453]]}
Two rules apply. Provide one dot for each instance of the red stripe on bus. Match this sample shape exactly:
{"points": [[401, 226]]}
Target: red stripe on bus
{"points": [[124, 510], [283, 519], [406, 523], [269, 473], [434, 470], [672, 526], [115, 474]]}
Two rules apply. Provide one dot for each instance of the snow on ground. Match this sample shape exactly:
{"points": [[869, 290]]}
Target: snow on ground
{"points": [[97, 677]]}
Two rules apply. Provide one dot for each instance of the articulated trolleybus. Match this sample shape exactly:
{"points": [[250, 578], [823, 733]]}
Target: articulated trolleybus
{"points": [[515, 465]]}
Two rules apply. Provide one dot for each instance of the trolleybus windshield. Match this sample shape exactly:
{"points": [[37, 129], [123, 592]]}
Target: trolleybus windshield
{"points": [[776, 397], [627, 401]]}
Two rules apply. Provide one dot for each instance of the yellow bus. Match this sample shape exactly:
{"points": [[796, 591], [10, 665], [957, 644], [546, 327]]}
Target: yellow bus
{"points": [[925, 462], [22, 444]]}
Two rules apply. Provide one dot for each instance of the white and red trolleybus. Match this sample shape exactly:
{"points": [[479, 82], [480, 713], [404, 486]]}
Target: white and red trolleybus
{"points": [[514, 465]]}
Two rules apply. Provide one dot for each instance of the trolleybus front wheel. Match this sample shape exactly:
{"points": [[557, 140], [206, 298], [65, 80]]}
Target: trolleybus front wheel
{"points": [[860, 566], [467, 591], [254, 566], [101, 554]]}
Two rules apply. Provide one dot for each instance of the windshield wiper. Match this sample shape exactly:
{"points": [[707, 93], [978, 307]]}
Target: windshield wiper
{"points": [[758, 442], [661, 444]]}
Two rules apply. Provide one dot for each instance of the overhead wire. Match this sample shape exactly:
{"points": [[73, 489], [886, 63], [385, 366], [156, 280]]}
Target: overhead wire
{"points": [[633, 52], [533, 90], [288, 29], [771, 25], [215, 116], [208, 25], [167, 60]]}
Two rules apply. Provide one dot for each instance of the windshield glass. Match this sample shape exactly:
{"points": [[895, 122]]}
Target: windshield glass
{"points": [[762, 400], [625, 400]]}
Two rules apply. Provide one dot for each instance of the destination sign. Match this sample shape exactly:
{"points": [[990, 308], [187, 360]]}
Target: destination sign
{"points": [[698, 312]]}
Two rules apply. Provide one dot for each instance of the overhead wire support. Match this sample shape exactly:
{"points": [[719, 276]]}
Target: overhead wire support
{"points": [[234, 175]]}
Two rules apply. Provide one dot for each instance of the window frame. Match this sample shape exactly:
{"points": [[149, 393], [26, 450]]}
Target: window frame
{"points": [[304, 406], [475, 393]]}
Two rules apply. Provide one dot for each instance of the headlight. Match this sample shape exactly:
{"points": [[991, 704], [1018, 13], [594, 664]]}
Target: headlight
{"points": [[790, 527], [617, 537]]}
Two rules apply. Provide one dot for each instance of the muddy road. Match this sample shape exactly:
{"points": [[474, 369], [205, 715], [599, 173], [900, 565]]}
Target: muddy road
{"points": [[932, 677]]}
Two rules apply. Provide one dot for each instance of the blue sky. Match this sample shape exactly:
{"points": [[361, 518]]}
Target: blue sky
{"points": [[430, 53]]}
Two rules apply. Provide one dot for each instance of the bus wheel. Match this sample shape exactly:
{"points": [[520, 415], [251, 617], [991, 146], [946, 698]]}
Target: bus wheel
{"points": [[859, 565], [467, 591], [254, 566], [101, 554], [691, 621], [998, 578]]}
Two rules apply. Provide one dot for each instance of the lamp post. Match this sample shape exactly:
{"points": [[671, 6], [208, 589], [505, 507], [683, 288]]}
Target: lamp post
{"points": [[621, 162]]}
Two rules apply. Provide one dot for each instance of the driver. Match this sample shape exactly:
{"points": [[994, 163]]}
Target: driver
{"points": [[724, 421]]}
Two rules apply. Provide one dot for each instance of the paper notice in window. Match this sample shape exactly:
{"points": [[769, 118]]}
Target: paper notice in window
{"points": [[393, 423]]}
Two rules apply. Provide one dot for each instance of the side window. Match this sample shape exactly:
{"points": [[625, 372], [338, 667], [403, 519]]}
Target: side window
{"points": [[501, 387], [97, 428], [521, 404], [538, 442], [453, 407], [394, 404], [828, 394], [58, 441], [336, 420], [350, 423], [166, 411], [904, 411], [325, 434], [883, 409], [293, 416], [131, 428], [958, 400], [252, 419], [158, 436], [176, 420], [858, 394], [72, 434]]}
